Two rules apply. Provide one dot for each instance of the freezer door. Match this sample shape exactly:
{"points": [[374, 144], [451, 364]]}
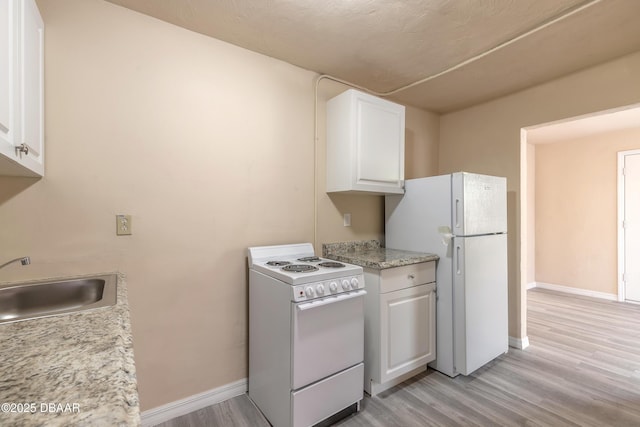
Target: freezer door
{"points": [[480, 301], [478, 204]]}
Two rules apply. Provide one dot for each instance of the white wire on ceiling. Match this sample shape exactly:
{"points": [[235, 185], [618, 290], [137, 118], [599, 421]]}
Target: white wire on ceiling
{"points": [[549, 22]]}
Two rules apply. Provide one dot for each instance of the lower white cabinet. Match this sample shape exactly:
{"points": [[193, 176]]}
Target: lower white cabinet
{"points": [[400, 330]]}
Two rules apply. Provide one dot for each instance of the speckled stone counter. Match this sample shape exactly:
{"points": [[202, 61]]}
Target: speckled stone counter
{"points": [[71, 370], [370, 254]]}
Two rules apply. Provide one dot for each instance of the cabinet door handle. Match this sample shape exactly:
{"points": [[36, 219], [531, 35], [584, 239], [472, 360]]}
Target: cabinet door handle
{"points": [[22, 148], [411, 276]]}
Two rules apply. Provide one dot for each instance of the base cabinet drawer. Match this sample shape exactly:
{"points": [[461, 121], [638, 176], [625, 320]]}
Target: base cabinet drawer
{"points": [[393, 279]]}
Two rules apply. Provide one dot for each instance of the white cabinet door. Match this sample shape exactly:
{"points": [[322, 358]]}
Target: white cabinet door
{"points": [[407, 326], [21, 89], [365, 144], [379, 143], [7, 76]]}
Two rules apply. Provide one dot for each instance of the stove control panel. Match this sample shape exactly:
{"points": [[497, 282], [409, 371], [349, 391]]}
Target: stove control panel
{"points": [[310, 291]]}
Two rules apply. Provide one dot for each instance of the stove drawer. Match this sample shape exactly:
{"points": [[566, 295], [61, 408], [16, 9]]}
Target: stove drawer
{"points": [[327, 336], [313, 404]]}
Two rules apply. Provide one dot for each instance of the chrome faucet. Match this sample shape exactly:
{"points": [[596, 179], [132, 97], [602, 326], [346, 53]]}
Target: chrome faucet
{"points": [[25, 260]]}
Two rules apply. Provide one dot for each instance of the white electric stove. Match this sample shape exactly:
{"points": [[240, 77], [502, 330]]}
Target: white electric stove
{"points": [[306, 335], [310, 276]]}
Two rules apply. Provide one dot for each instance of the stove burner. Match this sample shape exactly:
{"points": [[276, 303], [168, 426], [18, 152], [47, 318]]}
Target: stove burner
{"points": [[331, 264], [278, 263], [309, 259], [300, 268]]}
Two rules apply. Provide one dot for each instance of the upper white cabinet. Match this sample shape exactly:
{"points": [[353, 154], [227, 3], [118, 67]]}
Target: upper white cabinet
{"points": [[7, 78], [21, 89], [365, 144]]}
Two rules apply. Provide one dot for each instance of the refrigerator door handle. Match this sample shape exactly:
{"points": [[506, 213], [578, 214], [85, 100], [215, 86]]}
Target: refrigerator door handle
{"points": [[458, 271], [457, 213]]}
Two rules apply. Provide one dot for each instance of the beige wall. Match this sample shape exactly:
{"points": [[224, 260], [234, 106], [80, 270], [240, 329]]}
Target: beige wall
{"points": [[422, 137], [486, 139], [531, 214], [576, 210], [209, 147]]}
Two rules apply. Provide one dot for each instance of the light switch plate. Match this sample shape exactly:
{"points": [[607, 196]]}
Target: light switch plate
{"points": [[123, 225]]}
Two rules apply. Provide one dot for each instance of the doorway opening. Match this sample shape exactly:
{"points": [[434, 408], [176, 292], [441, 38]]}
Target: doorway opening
{"points": [[603, 134]]}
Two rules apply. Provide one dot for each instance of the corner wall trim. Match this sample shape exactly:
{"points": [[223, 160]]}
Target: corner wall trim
{"points": [[577, 291], [189, 404], [519, 343]]}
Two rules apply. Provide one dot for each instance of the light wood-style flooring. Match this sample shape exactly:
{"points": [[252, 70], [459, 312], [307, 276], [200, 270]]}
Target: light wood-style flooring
{"points": [[582, 368]]}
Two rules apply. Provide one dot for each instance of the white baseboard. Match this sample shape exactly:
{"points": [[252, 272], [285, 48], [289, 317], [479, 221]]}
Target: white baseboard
{"points": [[376, 388], [577, 291], [531, 285], [184, 406], [519, 343]]}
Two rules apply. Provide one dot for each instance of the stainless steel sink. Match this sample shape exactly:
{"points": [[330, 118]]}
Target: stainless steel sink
{"points": [[44, 298]]}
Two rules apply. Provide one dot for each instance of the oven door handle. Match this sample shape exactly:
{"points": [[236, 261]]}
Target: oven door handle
{"points": [[330, 300]]}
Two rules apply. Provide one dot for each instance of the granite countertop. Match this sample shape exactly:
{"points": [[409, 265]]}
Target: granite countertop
{"points": [[70, 370], [371, 254]]}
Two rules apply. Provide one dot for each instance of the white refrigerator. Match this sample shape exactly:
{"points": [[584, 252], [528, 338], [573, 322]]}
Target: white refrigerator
{"points": [[462, 217]]}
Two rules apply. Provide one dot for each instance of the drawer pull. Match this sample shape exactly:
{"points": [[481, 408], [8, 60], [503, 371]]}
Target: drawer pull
{"points": [[411, 276]]}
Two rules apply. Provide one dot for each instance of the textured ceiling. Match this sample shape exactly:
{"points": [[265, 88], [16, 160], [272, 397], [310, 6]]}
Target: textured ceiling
{"points": [[387, 44]]}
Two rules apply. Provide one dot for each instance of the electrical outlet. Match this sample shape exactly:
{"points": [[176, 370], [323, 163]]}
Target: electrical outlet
{"points": [[347, 220], [123, 225]]}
